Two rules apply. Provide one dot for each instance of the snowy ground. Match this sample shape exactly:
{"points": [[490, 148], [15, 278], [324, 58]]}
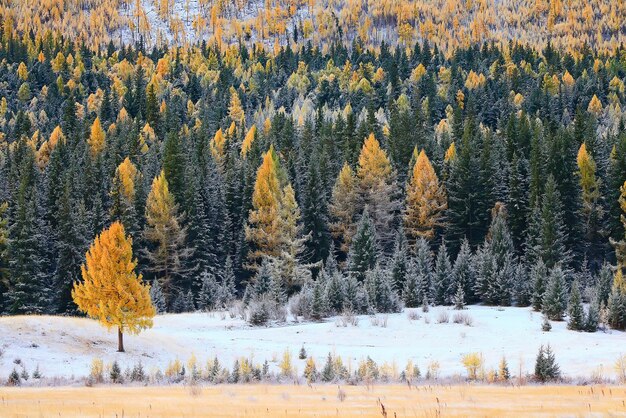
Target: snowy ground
{"points": [[63, 346]]}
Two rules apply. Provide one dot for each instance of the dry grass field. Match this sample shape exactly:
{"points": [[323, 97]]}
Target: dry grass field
{"points": [[328, 400]]}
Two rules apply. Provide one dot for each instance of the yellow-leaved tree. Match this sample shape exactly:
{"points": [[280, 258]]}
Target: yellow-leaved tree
{"points": [[96, 138], [343, 207], [111, 291], [425, 200], [263, 229]]}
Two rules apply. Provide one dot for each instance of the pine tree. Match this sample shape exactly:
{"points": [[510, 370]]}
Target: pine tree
{"points": [[592, 210], [494, 262], [96, 139], [343, 208], [164, 232], [209, 292], [555, 297], [546, 368], [410, 290], [399, 261], [111, 291], [157, 297], [424, 266], [263, 229], [539, 279], [593, 316], [459, 298], [228, 290], [462, 273], [362, 256], [442, 277], [575, 309], [377, 189], [425, 200]]}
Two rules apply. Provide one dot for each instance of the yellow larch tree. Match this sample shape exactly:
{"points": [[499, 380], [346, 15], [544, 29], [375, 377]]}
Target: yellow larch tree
{"points": [[111, 290], [343, 207], [425, 200], [263, 228], [218, 146], [248, 140], [96, 138], [164, 231]]}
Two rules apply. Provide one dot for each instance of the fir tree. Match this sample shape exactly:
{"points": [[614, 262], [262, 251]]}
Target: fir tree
{"points": [[575, 309], [554, 300], [546, 368], [539, 279], [157, 297], [442, 277], [363, 254]]}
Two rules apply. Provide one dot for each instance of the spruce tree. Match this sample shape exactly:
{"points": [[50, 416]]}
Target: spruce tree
{"points": [[399, 261], [575, 309], [209, 291], [546, 368], [424, 267], [363, 254], [539, 279], [157, 297], [554, 300], [442, 277]]}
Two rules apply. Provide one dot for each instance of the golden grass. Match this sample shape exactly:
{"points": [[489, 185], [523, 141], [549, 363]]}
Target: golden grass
{"points": [[294, 401]]}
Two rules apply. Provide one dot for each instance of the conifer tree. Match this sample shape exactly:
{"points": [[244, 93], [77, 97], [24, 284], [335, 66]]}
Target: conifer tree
{"points": [[209, 292], [555, 297], [264, 229], [575, 309], [111, 291], [424, 264], [398, 263], [363, 255], [494, 262], [157, 297], [377, 189], [462, 272], [546, 368], [96, 138], [343, 208], [592, 210], [442, 277], [425, 200], [166, 236], [410, 290], [539, 278]]}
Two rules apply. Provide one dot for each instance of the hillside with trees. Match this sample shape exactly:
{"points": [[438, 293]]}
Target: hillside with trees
{"points": [[332, 170]]}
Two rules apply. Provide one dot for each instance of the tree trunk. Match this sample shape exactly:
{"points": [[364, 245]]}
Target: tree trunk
{"points": [[120, 340]]}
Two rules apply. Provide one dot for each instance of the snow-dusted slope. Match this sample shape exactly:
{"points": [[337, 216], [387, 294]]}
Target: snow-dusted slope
{"points": [[64, 346]]}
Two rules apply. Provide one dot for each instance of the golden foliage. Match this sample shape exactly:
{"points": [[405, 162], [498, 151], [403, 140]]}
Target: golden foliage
{"points": [[425, 199], [111, 291]]}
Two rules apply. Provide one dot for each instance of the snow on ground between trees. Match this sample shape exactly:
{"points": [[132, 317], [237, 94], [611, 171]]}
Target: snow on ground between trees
{"points": [[65, 346]]}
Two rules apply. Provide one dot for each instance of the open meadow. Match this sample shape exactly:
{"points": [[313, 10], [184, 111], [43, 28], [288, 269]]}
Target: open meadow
{"points": [[324, 400]]}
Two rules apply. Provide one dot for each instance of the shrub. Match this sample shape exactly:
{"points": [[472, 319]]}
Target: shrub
{"points": [[463, 318], [286, 368], [546, 326], [14, 378], [96, 372], [443, 317], [413, 315], [620, 368], [302, 354], [473, 363], [432, 372]]}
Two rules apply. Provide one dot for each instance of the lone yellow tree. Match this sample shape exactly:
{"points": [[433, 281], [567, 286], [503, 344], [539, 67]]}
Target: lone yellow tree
{"points": [[425, 200], [111, 291]]}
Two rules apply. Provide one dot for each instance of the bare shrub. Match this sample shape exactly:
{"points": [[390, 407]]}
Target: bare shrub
{"points": [[341, 395], [413, 315], [348, 318], [427, 319], [443, 317], [463, 318], [379, 321]]}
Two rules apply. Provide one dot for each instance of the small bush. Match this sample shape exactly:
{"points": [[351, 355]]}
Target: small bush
{"points": [[463, 318], [546, 326], [14, 379], [379, 321], [96, 372], [620, 368], [348, 318], [413, 315], [443, 317], [473, 363]]}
